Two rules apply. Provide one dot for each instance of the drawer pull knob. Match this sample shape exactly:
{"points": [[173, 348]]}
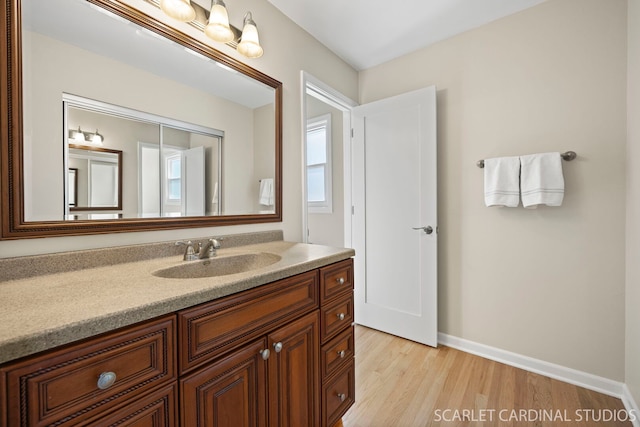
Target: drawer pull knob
{"points": [[106, 380], [265, 354], [340, 281], [341, 316], [277, 347], [342, 397], [342, 354]]}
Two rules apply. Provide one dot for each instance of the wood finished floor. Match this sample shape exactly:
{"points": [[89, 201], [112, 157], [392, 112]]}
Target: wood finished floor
{"points": [[400, 383]]}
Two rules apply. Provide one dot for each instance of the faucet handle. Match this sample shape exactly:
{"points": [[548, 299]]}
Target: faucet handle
{"points": [[190, 252]]}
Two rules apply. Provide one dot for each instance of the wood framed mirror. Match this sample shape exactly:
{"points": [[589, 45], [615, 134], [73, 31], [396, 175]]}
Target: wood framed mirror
{"points": [[49, 51]]}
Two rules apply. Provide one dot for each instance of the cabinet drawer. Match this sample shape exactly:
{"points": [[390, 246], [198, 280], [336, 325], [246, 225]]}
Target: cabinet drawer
{"points": [[214, 328], [157, 409], [60, 387], [336, 317], [336, 279], [337, 352], [338, 395]]}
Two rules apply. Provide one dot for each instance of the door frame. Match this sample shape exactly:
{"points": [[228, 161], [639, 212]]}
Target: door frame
{"points": [[310, 85]]}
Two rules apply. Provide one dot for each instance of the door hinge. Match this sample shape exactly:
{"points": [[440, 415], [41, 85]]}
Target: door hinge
{"points": [[351, 132], [353, 210]]}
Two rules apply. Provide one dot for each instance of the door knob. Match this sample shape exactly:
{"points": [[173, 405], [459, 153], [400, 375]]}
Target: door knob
{"points": [[427, 230]]}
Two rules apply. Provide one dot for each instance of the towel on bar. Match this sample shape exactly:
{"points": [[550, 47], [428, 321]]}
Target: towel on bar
{"points": [[266, 192], [502, 181], [541, 180]]}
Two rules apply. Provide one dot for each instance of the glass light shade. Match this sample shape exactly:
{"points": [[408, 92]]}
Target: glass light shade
{"points": [[97, 139], [249, 44], [218, 27], [178, 9], [78, 136]]}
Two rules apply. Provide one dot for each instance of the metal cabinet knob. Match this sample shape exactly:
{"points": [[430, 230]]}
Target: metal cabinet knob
{"points": [[277, 347], [341, 316], [106, 380], [340, 281], [342, 354], [265, 353], [342, 397]]}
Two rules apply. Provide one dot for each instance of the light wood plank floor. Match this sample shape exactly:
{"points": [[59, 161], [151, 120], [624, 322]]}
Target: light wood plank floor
{"points": [[400, 383]]}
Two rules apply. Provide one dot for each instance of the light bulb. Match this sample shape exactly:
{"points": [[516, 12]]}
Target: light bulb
{"points": [[218, 26], [178, 9], [249, 44], [78, 136], [97, 139]]}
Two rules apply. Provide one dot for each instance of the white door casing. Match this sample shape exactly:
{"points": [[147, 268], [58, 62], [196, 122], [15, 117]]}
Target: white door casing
{"points": [[395, 203]]}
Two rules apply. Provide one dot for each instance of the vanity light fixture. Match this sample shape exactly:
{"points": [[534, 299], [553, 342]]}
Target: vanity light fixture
{"points": [[218, 24], [215, 24], [249, 44], [81, 137], [182, 10]]}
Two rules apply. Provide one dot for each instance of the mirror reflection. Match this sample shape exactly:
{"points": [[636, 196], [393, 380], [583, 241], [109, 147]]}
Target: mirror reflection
{"points": [[196, 138], [94, 179], [173, 168]]}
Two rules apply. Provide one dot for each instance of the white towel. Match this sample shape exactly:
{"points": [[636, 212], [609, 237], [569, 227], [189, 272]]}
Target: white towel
{"points": [[502, 181], [542, 182], [266, 192]]}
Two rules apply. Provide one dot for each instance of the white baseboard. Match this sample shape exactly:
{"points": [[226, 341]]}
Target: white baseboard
{"points": [[631, 405], [562, 373]]}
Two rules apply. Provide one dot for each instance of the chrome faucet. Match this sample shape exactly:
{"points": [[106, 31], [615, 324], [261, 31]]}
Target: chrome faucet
{"points": [[202, 252], [209, 249]]}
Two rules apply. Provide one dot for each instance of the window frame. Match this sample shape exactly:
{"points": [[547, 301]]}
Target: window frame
{"points": [[325, 206]]}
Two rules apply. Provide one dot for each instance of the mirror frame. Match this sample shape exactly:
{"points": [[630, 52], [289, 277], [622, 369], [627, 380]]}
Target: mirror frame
{"points": [[13, 224], [118, 153]]}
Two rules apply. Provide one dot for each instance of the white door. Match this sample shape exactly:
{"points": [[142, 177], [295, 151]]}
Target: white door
{"points": [[395, 215], [193, 182]]}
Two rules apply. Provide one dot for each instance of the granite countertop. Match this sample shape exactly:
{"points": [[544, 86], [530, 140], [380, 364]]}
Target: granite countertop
{"points": [[47, 310]]}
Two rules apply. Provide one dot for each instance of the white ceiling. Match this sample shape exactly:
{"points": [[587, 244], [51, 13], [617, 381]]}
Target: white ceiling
{"points": [[365, 33]]}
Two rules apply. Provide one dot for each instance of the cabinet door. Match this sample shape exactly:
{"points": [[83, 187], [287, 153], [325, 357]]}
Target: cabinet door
{"points": [[230, 392], [294, 374]]}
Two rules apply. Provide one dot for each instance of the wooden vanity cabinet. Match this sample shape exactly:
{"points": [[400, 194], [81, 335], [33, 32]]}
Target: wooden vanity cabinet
{"points": [[273, 380], [277, 355], [337, 340]]}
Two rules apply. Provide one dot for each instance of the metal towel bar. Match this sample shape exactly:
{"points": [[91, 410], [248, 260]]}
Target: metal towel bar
{"points": [[567, 155]]}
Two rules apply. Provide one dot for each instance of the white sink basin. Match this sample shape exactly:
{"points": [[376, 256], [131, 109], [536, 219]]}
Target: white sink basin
{"points": [[218, 266]]}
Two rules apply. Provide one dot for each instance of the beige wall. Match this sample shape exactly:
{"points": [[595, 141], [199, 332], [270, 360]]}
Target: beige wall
{"points": [[546, 283], [632, 373], [288, 50]]}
